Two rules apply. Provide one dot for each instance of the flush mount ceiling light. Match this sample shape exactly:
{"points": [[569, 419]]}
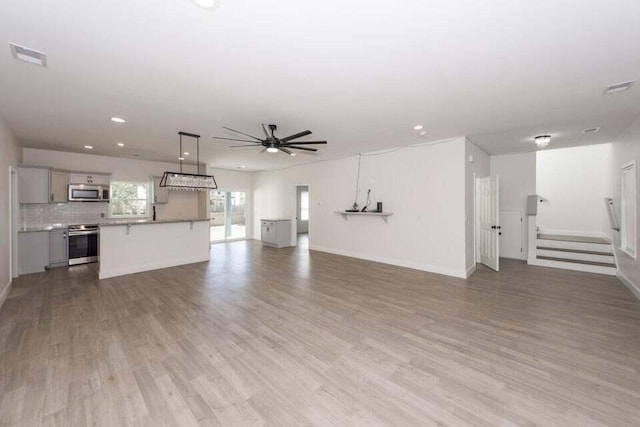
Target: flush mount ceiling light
{"points": [[207, 4], [542, 141], [272, 150], [418, 127], [118, 120], [188, 181], [618, 87], [25, 54], [88, 147]]}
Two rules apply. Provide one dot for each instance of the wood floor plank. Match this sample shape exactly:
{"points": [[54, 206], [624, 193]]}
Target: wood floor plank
{"points": [[286, 337]]}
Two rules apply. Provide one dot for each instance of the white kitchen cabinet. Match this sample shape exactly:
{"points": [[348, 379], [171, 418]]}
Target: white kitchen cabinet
{"points": [[160, 194], [88, 178], [276, 232], [58, 248], [59, 187], [33, 251], [33, 185]]}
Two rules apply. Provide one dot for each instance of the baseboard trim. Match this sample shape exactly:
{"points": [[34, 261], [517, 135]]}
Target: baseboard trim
{"points": [[149, 267], [635, 289], [5, 292], [471, 270], [461, 273]]}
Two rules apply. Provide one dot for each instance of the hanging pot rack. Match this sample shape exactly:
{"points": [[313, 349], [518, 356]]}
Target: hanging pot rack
{"points": [[184, 181]]}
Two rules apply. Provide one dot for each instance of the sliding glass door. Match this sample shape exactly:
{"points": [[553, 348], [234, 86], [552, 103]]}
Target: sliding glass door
{"points": [[227, 215]]}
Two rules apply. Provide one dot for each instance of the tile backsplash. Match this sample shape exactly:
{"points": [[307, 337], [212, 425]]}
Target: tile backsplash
{"points": [[65, 213]]}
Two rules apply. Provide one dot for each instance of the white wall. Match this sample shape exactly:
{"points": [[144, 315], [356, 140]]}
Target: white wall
{"points": [[517, 181], [625, 149], [477, 164], [424, 186], [182, 204], [575, 182], [8, 157]]}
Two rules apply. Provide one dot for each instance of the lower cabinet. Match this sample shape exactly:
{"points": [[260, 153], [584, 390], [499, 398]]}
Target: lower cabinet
{"points": [[33, 251], [276, 232], [58, 248]]}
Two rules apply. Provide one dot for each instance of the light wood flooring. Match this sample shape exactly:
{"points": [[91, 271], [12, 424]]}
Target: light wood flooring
{"points": [[263, 336]]}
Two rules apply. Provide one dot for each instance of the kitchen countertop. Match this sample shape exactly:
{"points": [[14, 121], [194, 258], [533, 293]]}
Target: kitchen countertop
{"points": [[147, 221], [275, 219], [106, 223]]}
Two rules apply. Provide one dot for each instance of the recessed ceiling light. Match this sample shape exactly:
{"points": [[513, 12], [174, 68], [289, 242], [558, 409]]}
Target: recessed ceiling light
{"points": [[207, 4], [88, 147], [25, 54], [241, 167], [120, 144], [186, 153], [292, 154], [180, 158], [418, 127], [423, 133], [591, 130], [618, 87], [118, 120], [272, 150]]}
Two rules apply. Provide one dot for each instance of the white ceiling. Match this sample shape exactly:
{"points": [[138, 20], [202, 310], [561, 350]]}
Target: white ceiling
{"points": [[358, 73]]}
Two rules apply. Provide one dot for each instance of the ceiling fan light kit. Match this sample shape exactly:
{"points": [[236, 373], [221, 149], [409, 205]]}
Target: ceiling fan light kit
{"points": [[272, 143], [188, 181]]}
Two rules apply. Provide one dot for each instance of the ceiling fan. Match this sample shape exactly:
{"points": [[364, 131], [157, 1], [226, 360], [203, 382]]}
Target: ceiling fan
{"points": [[273, 144]]}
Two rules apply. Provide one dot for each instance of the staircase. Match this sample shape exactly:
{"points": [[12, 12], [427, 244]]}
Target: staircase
{"points": [[578, 253]]}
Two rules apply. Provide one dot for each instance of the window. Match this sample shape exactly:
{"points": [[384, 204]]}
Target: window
{"points": [[227, 215], [129, 199], [628, 210], [304, 206]]}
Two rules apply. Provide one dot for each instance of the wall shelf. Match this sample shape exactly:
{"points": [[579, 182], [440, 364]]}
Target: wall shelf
{"points": [[383, 215]]}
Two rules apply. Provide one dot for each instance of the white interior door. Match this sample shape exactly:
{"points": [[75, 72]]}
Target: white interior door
{"points": [[488, 218], [512, 229]]}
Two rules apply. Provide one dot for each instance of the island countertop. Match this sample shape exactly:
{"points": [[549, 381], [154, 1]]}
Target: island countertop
{"points": [[147, 221]]}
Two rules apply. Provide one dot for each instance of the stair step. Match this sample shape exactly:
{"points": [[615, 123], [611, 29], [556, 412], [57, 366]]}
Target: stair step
{"points": [[579, 246], [579, 239], [578, 261], [578, 251], [574, 266], [576, 256]]}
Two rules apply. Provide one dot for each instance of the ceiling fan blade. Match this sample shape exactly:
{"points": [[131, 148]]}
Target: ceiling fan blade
{"points": [[285, 150], [235, 139], [301, 148], [266, 132], [242, 146], [241, 133], [296, 135], [305, 143]]}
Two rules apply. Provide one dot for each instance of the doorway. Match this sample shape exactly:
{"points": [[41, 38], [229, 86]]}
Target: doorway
{"points": [[14, 208], [227, 215], [488, 222], [302, 209]]}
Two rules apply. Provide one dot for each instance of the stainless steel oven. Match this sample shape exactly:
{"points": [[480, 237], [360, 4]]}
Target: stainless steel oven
{"points": [[83, 243], [88, 193]]}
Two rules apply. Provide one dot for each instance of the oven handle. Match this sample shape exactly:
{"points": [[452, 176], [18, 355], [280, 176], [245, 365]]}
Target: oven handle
{"points": [[81, 233]]}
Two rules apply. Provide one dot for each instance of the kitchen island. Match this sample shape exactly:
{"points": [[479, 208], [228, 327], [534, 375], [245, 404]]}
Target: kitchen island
{"points": [[133, 246]]}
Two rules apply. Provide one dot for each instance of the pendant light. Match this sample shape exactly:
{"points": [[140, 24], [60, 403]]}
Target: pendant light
{"points": [[188, 181]]}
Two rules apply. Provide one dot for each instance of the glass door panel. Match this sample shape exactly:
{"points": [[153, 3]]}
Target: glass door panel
{"points": [[217, 217], [227, 215], [238, 202]]}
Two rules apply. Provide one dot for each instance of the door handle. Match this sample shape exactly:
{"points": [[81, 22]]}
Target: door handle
{"points": [[496, 227]]}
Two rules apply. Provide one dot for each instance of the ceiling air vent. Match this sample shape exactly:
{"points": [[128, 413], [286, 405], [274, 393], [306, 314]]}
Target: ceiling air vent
{"points": [[590, 130], [618, 87], [25, 54]]}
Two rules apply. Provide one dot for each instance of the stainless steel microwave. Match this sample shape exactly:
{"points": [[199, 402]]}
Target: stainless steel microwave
{"points": [[88, 193]]}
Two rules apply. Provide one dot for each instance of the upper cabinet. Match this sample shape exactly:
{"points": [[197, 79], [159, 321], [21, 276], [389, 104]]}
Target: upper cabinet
{"points": [[160, 194], [33, 185], [88, 178], [59, 187]]}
